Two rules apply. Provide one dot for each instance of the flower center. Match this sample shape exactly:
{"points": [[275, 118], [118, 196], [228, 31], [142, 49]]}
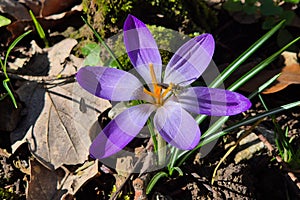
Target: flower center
{"points": [[158, 92]]}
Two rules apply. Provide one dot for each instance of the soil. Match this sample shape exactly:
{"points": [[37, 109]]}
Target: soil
{"points": [[259, 177]]}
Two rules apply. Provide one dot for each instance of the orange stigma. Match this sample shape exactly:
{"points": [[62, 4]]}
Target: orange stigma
{"points": [[158, 94]]}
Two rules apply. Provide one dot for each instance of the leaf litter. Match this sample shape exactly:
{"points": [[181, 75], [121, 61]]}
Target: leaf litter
{"points": [[57, 128], [290, 74]]}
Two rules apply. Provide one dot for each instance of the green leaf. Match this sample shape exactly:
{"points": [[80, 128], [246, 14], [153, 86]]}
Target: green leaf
{"points": [[263, 86], [173, 159], [176, 169], [11, 46], [251, 2], [244, 56], [9, 92], [154, 180], [292, 1], [88, 48], [112, 63], [250, 9], [39, 29], [215, 136], [233, 87], [237, 62], [259, 67], [4, 21], [262, 115], [233, 6], [103, 43], [269, 8], [92, 53], [3, 65]]}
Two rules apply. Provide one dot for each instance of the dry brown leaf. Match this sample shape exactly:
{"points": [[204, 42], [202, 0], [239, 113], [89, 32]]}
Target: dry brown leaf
{"points": [[60, 132], [62, 119], [43, 182], [48, 7], [56, 184], [49, 13], [57, 56], [15, 9], [75, 181], [290, 74]]}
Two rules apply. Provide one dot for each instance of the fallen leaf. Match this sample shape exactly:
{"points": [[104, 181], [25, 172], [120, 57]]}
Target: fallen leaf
{"points": [[124, 166], [43, 182], [51, 14], [57, 56], [15, 9], [76, 180], [49, 7], [59, 131], [56, 184], [290, 74]]}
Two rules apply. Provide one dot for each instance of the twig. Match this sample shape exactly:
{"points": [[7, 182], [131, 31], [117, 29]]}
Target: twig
{"points": [[39, 79]]}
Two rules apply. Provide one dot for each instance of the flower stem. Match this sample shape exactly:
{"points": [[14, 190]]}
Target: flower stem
{"points": [[161, 150]]}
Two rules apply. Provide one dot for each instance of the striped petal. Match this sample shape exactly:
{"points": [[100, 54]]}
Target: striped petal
{"points": [[141, 48], [109, 83], [177, 126], [212, 101], [190, 60], [120, 131]]}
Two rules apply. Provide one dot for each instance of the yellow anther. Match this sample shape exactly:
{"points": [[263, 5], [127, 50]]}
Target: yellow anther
{"points": [[167, 90]]}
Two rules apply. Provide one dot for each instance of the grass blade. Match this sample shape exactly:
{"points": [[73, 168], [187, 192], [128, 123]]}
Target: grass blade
{"points": [[263, 86], [39, 29], [104, 44], [217, 135], [259, 67], [10, 92], [154, 180], [13, 44], [3, 64], [237, 62], [223, 119]]}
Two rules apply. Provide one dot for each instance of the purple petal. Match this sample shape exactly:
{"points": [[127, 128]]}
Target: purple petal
{"points": [[212, 101], [110, 83], [120, 131], [141, 48], [177, 126], [190, 60]]}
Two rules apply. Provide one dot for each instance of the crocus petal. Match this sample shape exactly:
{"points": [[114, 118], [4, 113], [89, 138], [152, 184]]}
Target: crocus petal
{"points": [[190, 60], [212, 101], [177, 126], [141, 48], [120, 131], [110, 83]]}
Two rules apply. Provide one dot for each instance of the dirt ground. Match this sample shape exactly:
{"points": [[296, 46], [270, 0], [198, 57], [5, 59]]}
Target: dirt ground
{"points": [[253, 170]]}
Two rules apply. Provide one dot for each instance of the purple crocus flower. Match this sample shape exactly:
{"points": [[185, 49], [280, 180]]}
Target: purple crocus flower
{"points": [[167, 94]]}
